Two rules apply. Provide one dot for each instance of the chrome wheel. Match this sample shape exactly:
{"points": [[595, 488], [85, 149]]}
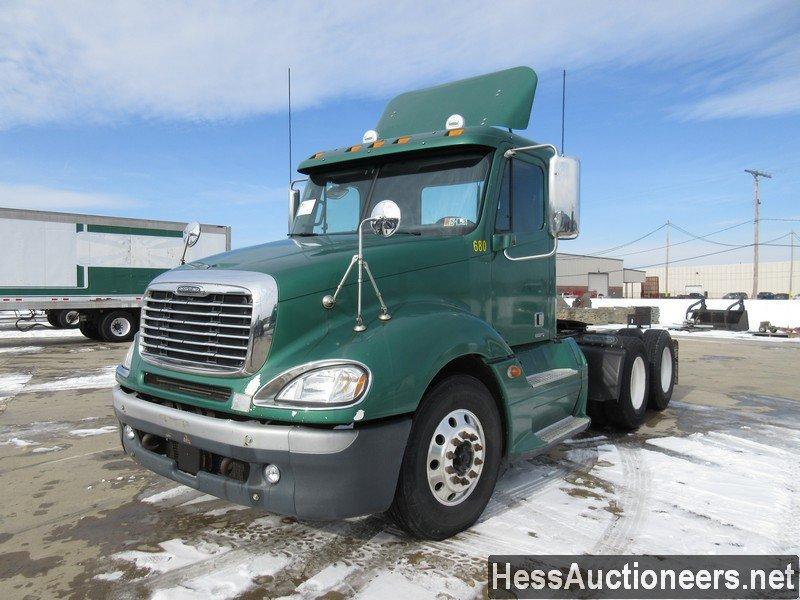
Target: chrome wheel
{"points": [[72, 317], [666, 368], [120, 327], [456, 454], [638, 383]]}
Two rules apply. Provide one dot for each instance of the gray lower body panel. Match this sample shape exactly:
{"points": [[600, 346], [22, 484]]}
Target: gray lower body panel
{"points": [[325, 473]]}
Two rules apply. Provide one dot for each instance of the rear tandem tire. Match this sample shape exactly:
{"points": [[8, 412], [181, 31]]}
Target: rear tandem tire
{"points": [[52, 317], [661, 357], [416, 509], [628, 411]]}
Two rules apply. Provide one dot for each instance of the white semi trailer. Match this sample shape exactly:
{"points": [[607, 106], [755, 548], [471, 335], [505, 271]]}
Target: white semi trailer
{"points": [[90, 271]]}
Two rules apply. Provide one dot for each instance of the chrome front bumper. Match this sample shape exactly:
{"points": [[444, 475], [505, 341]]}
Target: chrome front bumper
{"points": [[325, 473]]}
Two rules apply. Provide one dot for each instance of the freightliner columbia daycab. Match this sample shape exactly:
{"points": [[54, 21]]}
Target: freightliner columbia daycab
{"points": [[401, 343]]}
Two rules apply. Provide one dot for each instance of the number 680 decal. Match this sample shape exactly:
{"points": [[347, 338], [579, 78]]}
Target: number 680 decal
{"points": [[479, 246]]}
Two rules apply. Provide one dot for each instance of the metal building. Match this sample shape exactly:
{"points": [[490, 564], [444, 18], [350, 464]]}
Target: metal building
{"points": [[718, 280], [598, 275]]}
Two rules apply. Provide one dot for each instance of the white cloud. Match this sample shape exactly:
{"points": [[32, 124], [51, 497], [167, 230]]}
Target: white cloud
{"points": [[81, 61], [39, 197]]}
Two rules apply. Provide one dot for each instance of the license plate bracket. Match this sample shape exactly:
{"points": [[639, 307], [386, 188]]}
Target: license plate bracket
{"points": [[188, 459]]}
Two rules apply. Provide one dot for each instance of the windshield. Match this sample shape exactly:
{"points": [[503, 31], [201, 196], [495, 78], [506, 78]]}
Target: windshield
{"points": [[438, 195]]}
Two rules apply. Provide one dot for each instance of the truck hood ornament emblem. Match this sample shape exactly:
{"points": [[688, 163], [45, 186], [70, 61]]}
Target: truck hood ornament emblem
{"points": [[190, 290]]}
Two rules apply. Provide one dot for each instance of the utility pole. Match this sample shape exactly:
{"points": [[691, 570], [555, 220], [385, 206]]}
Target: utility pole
{"points": [[791, 263], [666, 265], [756, 207]]}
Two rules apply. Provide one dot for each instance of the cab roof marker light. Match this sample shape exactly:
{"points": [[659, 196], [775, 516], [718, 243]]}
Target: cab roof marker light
{"points": [[317, 155], [369, 136], [403, 139], [454, 132], [455, 121], [355, 148], [378, 143]]}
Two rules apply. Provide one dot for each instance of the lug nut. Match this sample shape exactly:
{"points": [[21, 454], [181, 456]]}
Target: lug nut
{"points": [[449, 470], [477, 447], [472, 474], [477, 461]]}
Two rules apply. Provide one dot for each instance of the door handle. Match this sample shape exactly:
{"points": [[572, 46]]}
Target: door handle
{"points": [[534, 256]]}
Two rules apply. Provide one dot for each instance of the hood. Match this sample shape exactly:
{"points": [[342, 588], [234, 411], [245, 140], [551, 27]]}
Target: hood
{"points": [[308, 265]]}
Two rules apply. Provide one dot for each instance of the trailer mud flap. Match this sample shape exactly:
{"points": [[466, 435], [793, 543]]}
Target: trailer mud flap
{"points": [[605, 371]]}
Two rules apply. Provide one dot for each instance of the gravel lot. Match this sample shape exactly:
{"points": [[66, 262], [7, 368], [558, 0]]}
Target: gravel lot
{"points": [[715, 473]]}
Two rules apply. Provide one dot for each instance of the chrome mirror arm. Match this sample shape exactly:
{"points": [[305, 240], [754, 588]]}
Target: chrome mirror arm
{"points": [[329, 301]]}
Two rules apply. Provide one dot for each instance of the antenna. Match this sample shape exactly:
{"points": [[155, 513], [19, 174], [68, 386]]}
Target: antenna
{"points": [[289, 73], [563, 105]]}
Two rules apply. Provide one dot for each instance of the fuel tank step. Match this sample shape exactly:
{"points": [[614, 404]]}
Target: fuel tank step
{"points": [[563, 429]]}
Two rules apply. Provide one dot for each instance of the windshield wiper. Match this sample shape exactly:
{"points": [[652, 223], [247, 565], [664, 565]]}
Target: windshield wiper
{"points": [[304, 234], [408, 232]]}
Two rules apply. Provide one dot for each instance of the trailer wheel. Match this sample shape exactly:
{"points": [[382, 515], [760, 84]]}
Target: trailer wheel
{"points": [[52, 317], [89, 329], [68, 319], [451, 461], [658, 344], [118, 326], [628, 411]]}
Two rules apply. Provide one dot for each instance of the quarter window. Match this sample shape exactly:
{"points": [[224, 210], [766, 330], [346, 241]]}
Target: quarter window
{"points": [[521, 204]]}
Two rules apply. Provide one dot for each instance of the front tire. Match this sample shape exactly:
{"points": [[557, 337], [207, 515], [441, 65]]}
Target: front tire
{"points": [[451, 462]]}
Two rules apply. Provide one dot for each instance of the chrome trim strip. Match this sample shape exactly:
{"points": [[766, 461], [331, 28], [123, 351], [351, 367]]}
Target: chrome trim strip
{"points": [[270, 390], [252, 434]]}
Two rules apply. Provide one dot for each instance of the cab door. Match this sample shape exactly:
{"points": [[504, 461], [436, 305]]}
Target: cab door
{"points": [[523, 307]]}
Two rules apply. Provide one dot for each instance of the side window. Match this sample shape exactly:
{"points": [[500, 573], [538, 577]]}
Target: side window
{"points": [[521, 204]]}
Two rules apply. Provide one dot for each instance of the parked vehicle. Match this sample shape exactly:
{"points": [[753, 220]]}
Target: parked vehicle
{"points": [[782, 296], [277, 377], [765, 296], [735, 296], [90, 271]]}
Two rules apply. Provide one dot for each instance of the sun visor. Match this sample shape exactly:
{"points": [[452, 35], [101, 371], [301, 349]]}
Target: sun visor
{"points": [[502, 99]]}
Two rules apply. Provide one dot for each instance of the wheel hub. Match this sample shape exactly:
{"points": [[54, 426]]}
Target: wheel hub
{"points": [[455, 457]]}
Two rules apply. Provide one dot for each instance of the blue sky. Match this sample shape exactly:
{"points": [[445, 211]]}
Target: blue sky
{"points": [[177, 111]]}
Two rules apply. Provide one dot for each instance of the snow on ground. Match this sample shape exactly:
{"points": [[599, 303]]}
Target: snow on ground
{"points": [[12, 384], [174, 555], [169, 494], [39, 332], [102, 379], [82, 433], [781, 313], [733, 487], [20, 349]]}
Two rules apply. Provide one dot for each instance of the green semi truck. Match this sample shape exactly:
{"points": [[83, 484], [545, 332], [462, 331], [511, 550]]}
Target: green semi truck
{"points": [[90, 271], [401, 345]]}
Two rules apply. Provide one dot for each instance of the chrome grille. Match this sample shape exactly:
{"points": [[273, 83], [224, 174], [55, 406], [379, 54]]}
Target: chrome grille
{"points": [[210, 331]]}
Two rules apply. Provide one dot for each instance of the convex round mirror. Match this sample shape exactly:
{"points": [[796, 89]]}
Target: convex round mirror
{"points": [[385, 218], [191, 233]]}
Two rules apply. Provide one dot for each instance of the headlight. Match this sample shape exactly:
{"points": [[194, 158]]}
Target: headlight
{"points": [[126, 362], [336, 385]]}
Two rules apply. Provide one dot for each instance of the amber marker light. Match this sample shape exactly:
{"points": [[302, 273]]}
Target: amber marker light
{"points": [[514, 371]]}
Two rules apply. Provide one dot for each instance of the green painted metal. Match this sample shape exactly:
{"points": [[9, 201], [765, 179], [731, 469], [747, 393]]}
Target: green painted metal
{"points": [[449, 297], [122, 230], [126, 281], [503, 99]]}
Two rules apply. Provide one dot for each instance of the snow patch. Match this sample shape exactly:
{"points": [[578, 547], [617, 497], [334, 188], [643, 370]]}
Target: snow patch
{"points": [[46, 449], [168, 494], [18, 442], [176, 554], [113, 576], [13, 334], [224, 583], [105, 378], [82, 433], [20, 349], [13, 383]]}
